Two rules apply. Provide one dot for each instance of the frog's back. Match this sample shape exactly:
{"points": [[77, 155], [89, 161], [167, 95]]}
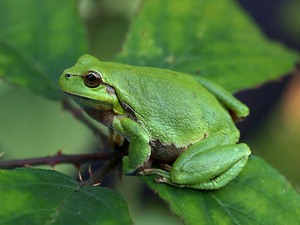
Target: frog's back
{"points": [[173, 107]]}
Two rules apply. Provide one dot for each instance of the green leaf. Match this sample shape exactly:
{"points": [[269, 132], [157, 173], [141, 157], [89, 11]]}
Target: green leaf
{"points": [[38, 39], [214, 38], [35, 196], [259, 195]]}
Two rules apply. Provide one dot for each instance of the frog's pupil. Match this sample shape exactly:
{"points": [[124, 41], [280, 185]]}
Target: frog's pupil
{"points": [[92, 79]]}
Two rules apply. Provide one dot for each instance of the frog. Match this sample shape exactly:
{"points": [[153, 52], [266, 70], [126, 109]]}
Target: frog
{"points": [[185, 123]]}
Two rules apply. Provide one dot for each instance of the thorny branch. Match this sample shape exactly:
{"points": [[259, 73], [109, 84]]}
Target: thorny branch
{"points": [[108, 167], [113, 157], [58, 158]]}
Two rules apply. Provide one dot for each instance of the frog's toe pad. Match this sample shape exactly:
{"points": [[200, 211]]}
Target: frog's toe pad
{"points": [[160, 179]]}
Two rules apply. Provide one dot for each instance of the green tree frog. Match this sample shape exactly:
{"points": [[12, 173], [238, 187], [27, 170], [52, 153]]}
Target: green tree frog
{"points": [[167, 117]]}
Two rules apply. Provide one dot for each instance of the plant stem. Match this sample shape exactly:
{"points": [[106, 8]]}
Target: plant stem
{"points": [[58, 158], [101, 173], [115, 160]]}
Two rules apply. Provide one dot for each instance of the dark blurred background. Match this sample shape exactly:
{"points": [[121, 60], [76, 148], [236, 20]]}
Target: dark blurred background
{"points": [[273, 128]]}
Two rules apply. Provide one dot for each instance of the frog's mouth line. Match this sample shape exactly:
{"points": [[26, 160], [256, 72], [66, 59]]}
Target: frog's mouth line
{"points": [[77, 96], [89, 103], [85, 101]]}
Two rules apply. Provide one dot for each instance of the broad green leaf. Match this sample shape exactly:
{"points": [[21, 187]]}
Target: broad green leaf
{"points": [[34, 196], [215, 39], [259, 195], [38, 39]]}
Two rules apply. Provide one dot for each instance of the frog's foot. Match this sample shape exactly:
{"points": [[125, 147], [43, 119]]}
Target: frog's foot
{"points": [[207, 169], [127, 169], [134, 170], [159, 172], [166, 180], [163, 176], [165, 166]]}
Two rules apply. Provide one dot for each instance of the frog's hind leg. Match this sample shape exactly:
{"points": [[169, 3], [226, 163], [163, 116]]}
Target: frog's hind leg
{"points": [[208, 164], [222, 179], [212, 168]]}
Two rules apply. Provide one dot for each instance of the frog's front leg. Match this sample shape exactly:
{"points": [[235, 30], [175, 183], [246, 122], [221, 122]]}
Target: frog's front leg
{"points": [[207, 164], [139, 148]]}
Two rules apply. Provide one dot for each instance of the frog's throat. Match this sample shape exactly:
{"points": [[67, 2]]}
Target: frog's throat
{"points": [[86, 102], [102, 112], [102, 116]]}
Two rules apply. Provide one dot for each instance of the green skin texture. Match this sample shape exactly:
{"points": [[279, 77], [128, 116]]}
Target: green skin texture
{"points": [[146, 104]]}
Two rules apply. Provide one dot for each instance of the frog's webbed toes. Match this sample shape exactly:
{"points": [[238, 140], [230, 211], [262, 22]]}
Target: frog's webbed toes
{"points": [[163, 176]]}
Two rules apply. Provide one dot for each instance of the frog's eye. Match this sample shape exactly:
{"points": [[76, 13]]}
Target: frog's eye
{"points": [[92, 79]]}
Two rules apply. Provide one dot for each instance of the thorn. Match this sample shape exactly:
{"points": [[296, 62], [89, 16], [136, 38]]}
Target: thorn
{"points": [[97, 184], [91, 174], [1, 154], [80, 176], [59, 152]]}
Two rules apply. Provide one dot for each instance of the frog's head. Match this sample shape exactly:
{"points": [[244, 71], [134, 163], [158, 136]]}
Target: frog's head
{"points": [[85, 83]]}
